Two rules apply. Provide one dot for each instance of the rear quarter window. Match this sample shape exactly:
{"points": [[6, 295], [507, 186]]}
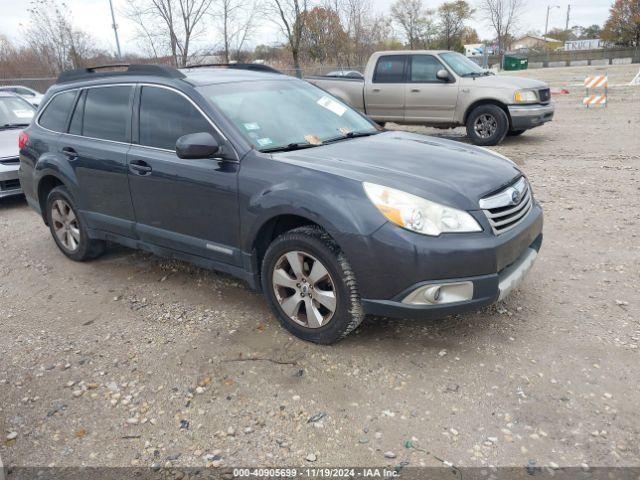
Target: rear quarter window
{"points": [[56, 113]]}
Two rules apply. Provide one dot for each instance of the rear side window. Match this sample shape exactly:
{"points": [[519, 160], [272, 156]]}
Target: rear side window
{"points": [[165, 116], [424, 69], [57, 112], [390, 69], [107, 113]]}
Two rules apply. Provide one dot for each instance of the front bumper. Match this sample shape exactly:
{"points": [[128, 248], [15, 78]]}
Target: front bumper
{"points": [[487, 289], [406, 261], [9, 182], [524, 117]]}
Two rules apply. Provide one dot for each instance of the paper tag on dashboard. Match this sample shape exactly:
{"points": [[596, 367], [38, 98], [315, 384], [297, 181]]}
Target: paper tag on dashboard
{"points": [[332, 106], [23, 113]]}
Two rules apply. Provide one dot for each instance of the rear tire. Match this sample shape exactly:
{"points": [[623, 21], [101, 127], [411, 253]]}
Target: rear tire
{"points": [[305, 270], [68, 229], [515, 133], [487, 125]]}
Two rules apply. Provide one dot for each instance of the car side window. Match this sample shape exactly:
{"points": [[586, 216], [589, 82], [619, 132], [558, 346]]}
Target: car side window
{"points": [[424, 69], [165, 116], [56, 113], [107, 113], [390, 69]]}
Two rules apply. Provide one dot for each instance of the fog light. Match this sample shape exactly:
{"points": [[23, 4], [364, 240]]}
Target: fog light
{"points": [[440, 293], [432, 294]]}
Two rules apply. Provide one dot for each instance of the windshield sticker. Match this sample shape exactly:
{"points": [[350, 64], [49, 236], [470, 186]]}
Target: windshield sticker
{"points": [[23, 113], [263, 142], [345, 130], [251, 126], [332, 106], [313, 139]]}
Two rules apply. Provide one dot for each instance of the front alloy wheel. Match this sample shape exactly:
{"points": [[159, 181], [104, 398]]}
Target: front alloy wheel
{"points": [[304, 289], [485, 125], [310, 286]]}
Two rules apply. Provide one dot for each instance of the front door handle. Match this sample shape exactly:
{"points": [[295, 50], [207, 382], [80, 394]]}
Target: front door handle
{"points": [[140, 167], [70, 153], [415, 90]]}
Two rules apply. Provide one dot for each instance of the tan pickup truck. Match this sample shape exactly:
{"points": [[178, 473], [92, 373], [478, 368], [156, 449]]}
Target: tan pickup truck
{"points": [[444, 89]]}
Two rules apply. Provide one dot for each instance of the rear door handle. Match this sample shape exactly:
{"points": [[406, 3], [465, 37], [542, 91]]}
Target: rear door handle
{"points": [[140, 167], [415, 90], [376, 90], [70, 153]]}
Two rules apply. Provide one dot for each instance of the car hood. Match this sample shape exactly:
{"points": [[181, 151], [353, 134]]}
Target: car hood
{"points": [[505, 81], [444, 171], [9, 142]]}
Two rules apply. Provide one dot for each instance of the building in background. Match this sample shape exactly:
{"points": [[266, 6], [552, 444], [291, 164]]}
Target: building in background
{"points": [[534, 42]]}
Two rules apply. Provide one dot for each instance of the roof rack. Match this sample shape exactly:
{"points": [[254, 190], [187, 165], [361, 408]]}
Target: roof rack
{"points": [[256, 67], [131, 69]]}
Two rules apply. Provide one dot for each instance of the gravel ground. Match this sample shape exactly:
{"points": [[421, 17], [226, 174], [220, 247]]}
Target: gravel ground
{"points": [[136, 360]]}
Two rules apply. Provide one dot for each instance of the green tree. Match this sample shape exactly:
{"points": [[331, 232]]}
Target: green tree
{"points": [[623, 25], [452, 16]]}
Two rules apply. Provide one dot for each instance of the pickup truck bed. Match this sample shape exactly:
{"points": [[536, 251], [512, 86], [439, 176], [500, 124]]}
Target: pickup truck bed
{"points": [[350, 90]]}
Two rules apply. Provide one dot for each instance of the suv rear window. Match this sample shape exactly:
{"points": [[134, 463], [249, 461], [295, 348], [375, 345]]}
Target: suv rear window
{"points": [[107, 113], [390, 69], [55, 115], [165, 116]]}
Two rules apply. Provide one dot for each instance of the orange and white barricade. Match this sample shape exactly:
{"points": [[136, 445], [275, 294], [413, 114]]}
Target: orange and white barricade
{"points": [[592, 84]]}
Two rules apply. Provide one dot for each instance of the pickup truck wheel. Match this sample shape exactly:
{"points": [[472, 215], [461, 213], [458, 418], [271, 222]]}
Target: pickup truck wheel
{"points": [[515, 133], [487, 125], [310, 286], [68, 229]]}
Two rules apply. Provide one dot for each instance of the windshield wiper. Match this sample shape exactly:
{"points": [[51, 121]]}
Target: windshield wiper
{"points": [[14, 125], [289, 147], [350, 135]]}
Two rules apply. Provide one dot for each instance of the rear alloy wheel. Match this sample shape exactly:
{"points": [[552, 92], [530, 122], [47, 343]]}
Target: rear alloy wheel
{"points": [[487, 125], [310, 286], [67, 228]]}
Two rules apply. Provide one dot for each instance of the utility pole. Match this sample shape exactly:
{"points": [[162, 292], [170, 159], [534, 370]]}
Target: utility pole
{"points": [[566, 27], [546, 23], [115, 28]]}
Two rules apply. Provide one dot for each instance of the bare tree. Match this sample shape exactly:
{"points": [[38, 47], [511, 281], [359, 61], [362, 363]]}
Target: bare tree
{"points": [[53, 37], [236, 21], [502, 16], [289, 16], [414, 21], [175, 25], [452, 17]]}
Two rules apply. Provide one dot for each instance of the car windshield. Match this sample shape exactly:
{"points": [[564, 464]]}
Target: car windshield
{"points": [[15, 112], [462, 65], [286, 114]]}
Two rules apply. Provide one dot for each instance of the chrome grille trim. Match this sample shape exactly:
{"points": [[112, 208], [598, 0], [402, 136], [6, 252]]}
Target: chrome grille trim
{"points": [[501, 211]]}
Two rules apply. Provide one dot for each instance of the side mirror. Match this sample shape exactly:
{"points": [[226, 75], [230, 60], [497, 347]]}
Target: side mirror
{"points": [[443, 75], [197, 145]]}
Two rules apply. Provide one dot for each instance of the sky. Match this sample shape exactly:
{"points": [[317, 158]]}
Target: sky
{"points": [[94, 17]]}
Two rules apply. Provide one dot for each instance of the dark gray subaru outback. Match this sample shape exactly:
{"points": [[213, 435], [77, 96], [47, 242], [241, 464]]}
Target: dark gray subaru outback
{"points": [[273, 180]]}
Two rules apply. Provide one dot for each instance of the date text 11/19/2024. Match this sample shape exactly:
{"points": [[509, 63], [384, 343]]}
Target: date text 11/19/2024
{"points": [[315, 472]]}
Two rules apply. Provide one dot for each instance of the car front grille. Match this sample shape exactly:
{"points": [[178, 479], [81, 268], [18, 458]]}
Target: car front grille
{"points": [[10, 161], [9, 184], [507, 208], [545, 95]]}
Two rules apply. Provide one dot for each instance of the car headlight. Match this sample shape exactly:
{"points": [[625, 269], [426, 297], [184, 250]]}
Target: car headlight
{"points": [[419, 214], [525, 96]]}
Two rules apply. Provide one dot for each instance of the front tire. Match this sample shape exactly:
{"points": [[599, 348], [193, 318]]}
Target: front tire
{"points": [[68, 229], [487, 125], [310, 286]]}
